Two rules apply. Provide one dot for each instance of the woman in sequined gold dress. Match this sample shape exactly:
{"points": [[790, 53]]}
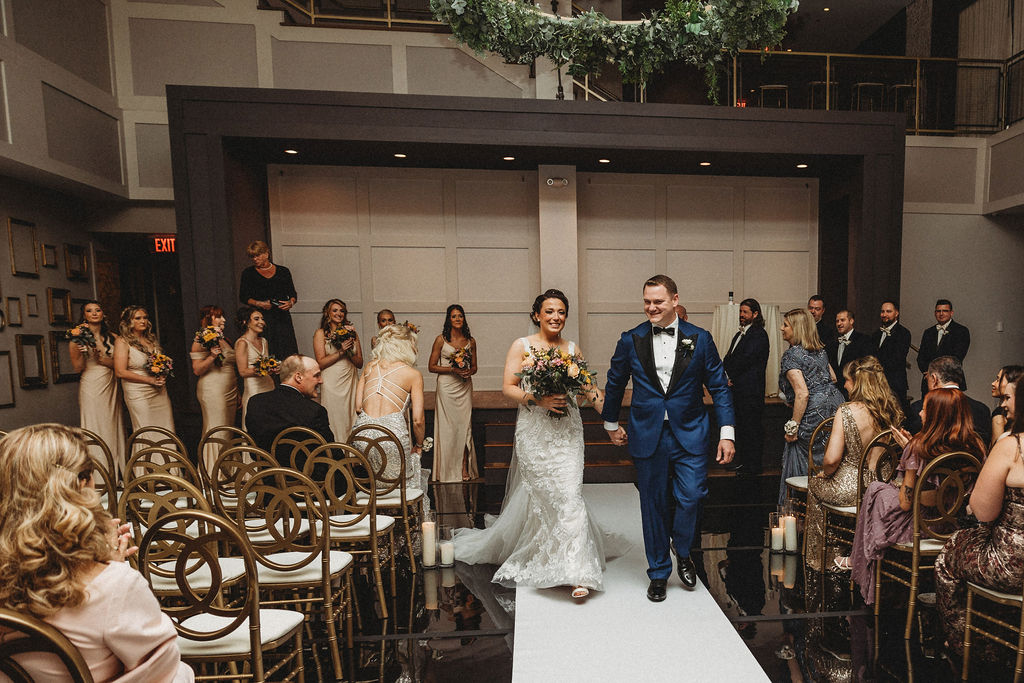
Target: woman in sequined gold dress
{"points": [[872, 409]]}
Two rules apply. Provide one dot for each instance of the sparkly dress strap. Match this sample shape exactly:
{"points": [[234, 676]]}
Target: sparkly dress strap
{"points": [[851, 432]]}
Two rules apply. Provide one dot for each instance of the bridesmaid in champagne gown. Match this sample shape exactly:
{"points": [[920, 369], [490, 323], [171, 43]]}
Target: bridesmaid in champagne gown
{"points": [[145, 394], [249, 348], [217, 387], [340, 367], [98, 401], [454, 455]]}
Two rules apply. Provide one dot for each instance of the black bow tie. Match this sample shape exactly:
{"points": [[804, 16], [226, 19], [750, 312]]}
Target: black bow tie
{"points": [[670, 331]]}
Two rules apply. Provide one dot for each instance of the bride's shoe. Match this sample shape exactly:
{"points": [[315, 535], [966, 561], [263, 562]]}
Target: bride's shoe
{"points": [[580, 592]]}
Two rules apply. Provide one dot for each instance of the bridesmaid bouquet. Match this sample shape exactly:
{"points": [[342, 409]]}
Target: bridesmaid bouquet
{"points": [[209, 338], [415, 329], [462, 359], [81, 335], [161, 365], [266, 366], [553, 371], [339, 336]]}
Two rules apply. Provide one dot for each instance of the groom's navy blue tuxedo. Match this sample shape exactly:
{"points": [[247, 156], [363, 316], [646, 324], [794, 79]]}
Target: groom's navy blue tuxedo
{"points": [[668, 432]]}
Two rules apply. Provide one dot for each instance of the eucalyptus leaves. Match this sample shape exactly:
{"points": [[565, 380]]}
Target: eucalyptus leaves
{"points": [[686, 30]]}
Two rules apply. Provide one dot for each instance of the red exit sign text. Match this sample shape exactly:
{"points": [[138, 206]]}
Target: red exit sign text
{"points": [[163, 245]]}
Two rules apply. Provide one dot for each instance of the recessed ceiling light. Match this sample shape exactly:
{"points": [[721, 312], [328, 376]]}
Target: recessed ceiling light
{"points": [[509, 158], [604, 161], [826, 9], [399, 156], [705, 163], [801, 165], [291, 151]]}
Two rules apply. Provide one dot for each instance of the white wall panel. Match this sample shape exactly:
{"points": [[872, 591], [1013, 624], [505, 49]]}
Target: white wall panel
{"points": [[495, 275], [403, 208], [503, 211], [614, 276], [407, 274], [617, 213], [779, 217], [318, 205], [778, 277], [701, 216], [701, 275], [321, 273]]}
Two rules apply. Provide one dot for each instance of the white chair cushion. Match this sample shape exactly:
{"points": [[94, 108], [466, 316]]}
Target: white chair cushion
{"points": [[274, 625], [339, 560], [928, 545], [231, 569], [392, 498], [257, 534], [797, 482], [984, 590], [361, 529]]}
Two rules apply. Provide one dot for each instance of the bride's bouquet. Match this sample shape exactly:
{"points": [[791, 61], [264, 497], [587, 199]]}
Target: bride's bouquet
{"points": [[209, 338], [160, 365], [553, 371], [461, 359]]}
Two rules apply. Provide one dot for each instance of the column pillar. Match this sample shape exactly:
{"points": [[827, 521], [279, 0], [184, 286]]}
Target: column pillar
{"points": [[559, 246]]}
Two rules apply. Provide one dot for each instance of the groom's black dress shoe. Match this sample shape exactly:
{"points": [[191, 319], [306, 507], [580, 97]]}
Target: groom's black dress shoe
{"points": [[687, 572], [656, 591]]}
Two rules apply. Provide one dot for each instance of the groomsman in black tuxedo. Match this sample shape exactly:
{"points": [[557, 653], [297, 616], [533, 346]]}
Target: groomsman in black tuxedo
{"points": [[849, 345], [745, 364], [890, 343], [291, 404], [816, 307], [946, 338]]}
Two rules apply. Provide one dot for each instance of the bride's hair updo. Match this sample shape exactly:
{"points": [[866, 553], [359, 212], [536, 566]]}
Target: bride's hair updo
{"points": [[396, 343], [539, 301]]}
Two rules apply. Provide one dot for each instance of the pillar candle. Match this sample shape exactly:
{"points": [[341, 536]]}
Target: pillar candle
{"points": [[430, 545], [790, 533], [447, 549], [776, 567], [430, 589], [448, 577], [777, 537], [789, 572]]}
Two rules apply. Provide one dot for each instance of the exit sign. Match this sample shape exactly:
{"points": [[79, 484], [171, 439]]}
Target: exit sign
{"points": [[163, 244]]}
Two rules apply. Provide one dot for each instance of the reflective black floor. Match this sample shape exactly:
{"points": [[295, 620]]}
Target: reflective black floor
{"points": [[453, 624]]}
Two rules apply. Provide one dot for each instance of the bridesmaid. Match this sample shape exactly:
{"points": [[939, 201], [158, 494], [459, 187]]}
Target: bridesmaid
{"points": [[340, 366], [98, 402], [384, 318], [217, 388], [249, 348], [454, 455], [144, 393]]}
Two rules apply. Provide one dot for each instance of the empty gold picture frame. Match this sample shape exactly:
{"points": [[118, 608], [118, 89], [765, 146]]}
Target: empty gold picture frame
{"points": [[31, 352], [6, 380], [49, 252], [60, 359], [21, 235], [76, 262], [58, 304], [14, 311], [32, 305]]}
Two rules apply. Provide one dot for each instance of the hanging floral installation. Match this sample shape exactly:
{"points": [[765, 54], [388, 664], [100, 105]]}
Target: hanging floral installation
{"points": [[698, 33]]}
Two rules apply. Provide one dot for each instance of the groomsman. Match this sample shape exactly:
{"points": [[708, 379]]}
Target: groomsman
{"points": [[745, 364], [816, 307], [848, 346], [946, 338], [890, 343]]}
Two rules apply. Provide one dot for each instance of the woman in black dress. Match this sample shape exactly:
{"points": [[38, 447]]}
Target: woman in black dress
{"points": [[269, 287]]}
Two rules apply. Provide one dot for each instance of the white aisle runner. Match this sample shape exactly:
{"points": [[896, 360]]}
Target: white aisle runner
{"points": [[618, 634]]}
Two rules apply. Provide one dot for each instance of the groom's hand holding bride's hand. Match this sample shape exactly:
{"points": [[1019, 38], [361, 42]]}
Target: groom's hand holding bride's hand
{"points": [[726, 451], [618, 437]]}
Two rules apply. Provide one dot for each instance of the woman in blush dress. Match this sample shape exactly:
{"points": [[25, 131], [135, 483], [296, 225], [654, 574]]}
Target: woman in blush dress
{"points": [[807, 382], [145, 394], [339, 354], [217, 388], [269, 287], [62, 561], [385, 317], [99, 404], [454, 455], [249, 349], [992, 554], [885, 517]]}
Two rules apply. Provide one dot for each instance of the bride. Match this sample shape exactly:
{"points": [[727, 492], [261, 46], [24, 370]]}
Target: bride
{"points": [[544, 536]]}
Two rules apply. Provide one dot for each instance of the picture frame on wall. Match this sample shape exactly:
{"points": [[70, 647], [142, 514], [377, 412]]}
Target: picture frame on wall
{"points": [[32, 305], [60, 359], [58, 304], [76, 309], [21, 236], [31, 352], [49, 252], [6, 380], [76, 262], [14, 311]]}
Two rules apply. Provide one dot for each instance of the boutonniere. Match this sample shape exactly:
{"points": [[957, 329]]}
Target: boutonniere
{"points": [[687, 345]]}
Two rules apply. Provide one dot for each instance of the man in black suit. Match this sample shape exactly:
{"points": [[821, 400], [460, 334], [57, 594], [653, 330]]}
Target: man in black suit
{"points": [[946, 338], [947, 372], [291, 404], [745, 364], [849, 345], [816, 307], [891, 344]]}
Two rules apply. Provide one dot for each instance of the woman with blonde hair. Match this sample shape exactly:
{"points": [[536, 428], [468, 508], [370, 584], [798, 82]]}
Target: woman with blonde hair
{"points": [[269, 287], [872, 408], [807, 383], [339, 354], [213, 363], [62, 561], [389, 385], [145, 392]]}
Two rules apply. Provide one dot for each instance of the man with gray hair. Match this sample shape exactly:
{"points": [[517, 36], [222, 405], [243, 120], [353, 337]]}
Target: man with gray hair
{"points": [[291, 404], [947, 372]]}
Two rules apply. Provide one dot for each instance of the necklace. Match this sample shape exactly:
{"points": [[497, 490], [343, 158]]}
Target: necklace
{"points": [[266, 267]]}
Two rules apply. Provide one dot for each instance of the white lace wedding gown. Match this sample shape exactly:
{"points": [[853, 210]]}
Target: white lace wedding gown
{"points": [[544, 536]]}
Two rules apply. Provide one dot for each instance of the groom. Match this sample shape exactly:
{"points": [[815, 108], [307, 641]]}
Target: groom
{"points": [[670, 362]]}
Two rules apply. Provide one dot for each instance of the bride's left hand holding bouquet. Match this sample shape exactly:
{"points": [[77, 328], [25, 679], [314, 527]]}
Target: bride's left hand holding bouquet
{"points": [[210, 338], [553, 371]]}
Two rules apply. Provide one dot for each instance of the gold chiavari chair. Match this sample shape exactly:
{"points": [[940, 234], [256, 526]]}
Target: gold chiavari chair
{"points": [[340, 470], [987, 629], [381, 447], [221, 626], [295, 564], [796, 487], [216, 441], [234, 467], [24, 634], [163, 461], [935, 519], [144, 437], [293, 445], [105, 474]]}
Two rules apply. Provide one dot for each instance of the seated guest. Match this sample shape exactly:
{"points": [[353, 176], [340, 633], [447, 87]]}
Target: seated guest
{"points": [[989, 554], [872, 409], [1007, 375], [947, 372], [289, 405], [885, 516], [62, 561]]}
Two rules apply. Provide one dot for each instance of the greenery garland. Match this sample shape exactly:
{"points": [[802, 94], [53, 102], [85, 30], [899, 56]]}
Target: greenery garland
{"points": [[695, 32]]}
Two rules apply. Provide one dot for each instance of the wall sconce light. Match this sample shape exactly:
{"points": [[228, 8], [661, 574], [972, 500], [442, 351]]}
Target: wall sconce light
{"points": [[562, 182]]}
